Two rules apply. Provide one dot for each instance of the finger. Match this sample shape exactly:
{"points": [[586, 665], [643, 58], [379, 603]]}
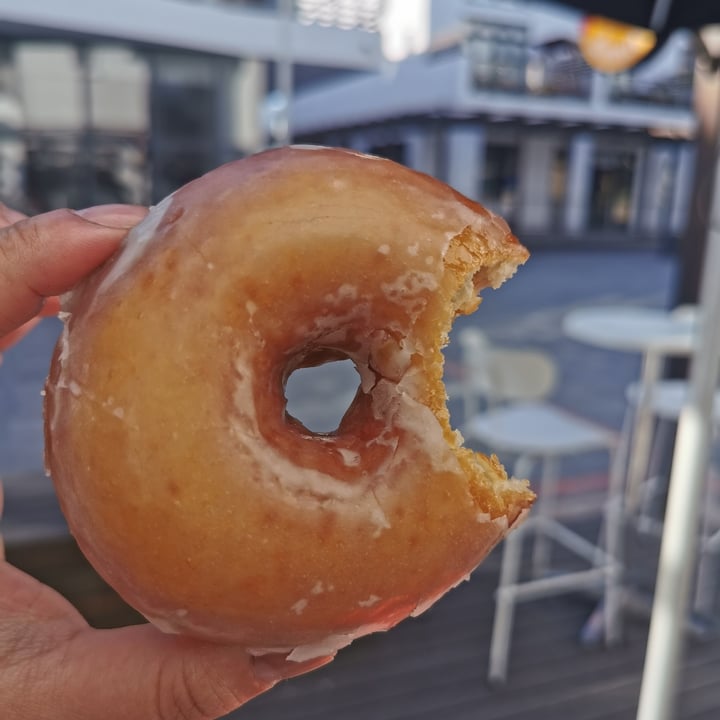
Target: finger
{"points": [[18, 334], [274, 668], [213, 680], [8, 216], [171, 676], [48, 254], [50, 307], [2, 503]]}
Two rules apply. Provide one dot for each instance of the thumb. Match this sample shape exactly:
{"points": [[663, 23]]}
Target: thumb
{"points": [[274, 668], [2, 544], [216, 680], [139, 672], [48, 254]]}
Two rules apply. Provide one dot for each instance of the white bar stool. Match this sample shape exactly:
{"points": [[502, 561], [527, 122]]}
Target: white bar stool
{"points": [[665, 400], [537, 432]]}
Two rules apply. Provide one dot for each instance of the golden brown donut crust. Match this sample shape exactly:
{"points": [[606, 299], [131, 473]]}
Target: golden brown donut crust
{"points": [[181, 476]]}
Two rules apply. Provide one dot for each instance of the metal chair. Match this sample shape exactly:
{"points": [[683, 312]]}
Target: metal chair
{"points": [[518, 421]]}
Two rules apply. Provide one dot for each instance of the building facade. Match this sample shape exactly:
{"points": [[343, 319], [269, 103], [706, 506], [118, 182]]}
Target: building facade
{"points": [[504, 108], [130, 103]]}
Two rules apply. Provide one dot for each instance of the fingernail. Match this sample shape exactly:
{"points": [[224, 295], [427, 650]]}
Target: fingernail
{"points": [[118, 217], [273, 668]]}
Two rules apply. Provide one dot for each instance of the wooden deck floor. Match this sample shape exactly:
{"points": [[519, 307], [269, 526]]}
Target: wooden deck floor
{"points": [[434, 667]]}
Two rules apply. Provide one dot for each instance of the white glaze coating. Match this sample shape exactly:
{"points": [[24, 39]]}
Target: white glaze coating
{"points": [[350, 457], [135, 244], [323, 648], [131, 250], [372, 600]]}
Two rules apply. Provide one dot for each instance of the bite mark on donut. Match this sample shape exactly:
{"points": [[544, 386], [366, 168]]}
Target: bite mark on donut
{"points": [[475, 266]]}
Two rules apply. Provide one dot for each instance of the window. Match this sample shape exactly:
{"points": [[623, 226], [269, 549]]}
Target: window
{"points": [[611, 197], [499, 182], [558, 186], [558, 68], [390, 151], [498, 57]]}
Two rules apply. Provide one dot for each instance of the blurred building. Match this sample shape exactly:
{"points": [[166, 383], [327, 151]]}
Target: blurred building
{"points": [[504, 108], [131, 102]]}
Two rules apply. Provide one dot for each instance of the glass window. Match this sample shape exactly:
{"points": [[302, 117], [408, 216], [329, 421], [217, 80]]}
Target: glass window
{"points": [[611, 197], [558, 186], [671, 84], [184, 111], [498, 57], [390, 151], [499, 182], [558, 68]]}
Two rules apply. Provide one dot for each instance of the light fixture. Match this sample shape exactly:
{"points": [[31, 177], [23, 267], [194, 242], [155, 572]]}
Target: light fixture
{"points": [[612, 47]]}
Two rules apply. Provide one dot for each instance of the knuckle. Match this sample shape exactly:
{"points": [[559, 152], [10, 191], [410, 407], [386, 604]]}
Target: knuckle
{"points": [[29, 237], [19, 242], [8, 216], [26, 234]]}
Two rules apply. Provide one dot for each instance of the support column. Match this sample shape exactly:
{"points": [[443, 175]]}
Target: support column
{"points": [[249, 87], [579, 183], [421, 155], [599, 89], [535, 208], [224, 130], [359, 141], [638, 184], [657, 192], [682, 190], [464, 144]]}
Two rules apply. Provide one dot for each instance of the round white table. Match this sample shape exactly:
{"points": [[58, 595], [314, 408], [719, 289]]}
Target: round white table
{"points": [[631, 329], [655, 334]]}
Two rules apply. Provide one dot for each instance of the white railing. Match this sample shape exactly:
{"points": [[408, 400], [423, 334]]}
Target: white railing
{"points": [[222, 29]]}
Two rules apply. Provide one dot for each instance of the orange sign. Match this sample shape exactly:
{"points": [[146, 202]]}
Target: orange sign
{"points": [[611, 47]]}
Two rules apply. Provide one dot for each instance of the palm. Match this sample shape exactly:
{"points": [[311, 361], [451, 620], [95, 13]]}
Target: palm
{"points": [[66, 669], [43, 636]]}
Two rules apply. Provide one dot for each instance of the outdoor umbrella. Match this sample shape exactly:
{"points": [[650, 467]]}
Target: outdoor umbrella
{"points": [[690, 460]]}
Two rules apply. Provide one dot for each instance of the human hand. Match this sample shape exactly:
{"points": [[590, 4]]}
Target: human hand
{"points": [[53, 665], [47, 255]]}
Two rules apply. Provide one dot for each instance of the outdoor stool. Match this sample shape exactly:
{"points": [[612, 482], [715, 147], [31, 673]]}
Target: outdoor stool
{"points": [[666, 400], [519, 422]]}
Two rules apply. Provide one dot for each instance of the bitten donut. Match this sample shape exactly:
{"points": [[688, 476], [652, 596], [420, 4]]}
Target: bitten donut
{"points": [[181, 475]]}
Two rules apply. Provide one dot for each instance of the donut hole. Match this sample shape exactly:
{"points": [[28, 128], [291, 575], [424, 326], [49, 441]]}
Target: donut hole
{"points": [[319, 396]]}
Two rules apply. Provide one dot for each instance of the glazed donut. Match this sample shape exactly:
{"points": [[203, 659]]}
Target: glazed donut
{"points": [[184, 480]]}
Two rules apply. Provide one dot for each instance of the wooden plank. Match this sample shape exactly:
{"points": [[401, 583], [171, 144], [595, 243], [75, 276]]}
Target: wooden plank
{"points": [[387, 678], [700, 689]]}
